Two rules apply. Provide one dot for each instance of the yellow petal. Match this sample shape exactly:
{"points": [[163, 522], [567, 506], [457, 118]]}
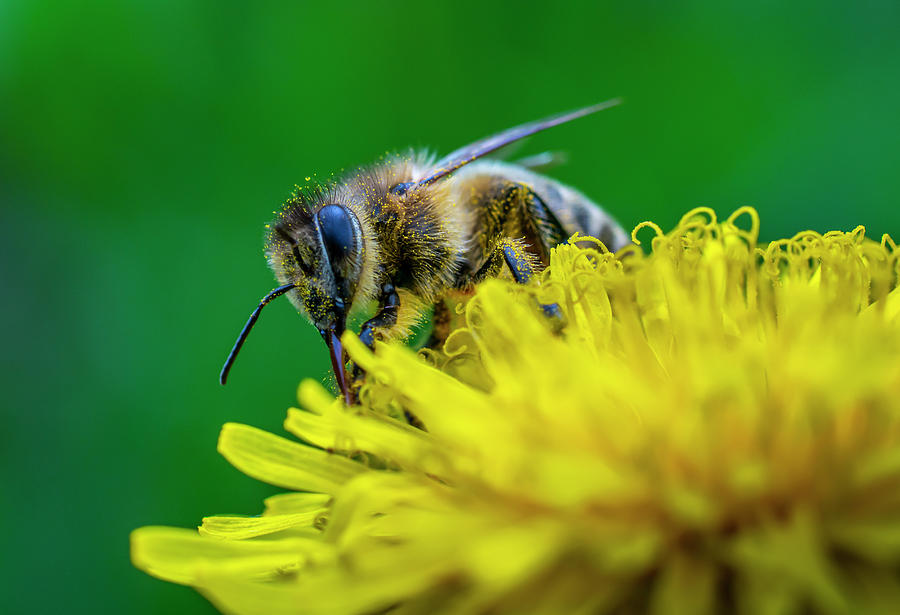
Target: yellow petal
{"points": [[345, 432], [239, 528], [287, 503], [329, 591], [281, 462], [180, 555]]}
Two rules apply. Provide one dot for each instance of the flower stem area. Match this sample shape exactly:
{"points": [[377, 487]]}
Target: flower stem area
{"points": [[711, 426]]}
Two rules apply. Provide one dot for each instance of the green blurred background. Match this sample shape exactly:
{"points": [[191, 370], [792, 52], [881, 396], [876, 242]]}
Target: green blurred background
{"points": [[143, 145]]}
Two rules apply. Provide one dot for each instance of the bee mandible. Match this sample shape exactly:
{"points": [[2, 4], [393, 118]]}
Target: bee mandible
{"points": [[407, 232]]}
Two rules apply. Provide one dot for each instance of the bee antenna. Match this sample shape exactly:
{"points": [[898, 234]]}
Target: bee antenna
{"points": [[223, 376]]}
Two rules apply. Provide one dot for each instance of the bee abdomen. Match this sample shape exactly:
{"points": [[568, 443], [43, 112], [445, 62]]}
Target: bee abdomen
{"points": [[590, 219]]}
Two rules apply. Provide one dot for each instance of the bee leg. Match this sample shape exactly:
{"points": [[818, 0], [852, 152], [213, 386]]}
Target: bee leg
{"points": [[542, 228], [520, 264], [543, 232], [517, 259], [386, 317]]}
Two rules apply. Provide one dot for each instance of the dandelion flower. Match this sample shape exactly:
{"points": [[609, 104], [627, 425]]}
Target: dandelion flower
{"points": [[715, 428]]}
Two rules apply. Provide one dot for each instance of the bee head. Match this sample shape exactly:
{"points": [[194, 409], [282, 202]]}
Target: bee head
{"points": [[323, 252], [316, 249], [320, 251]]}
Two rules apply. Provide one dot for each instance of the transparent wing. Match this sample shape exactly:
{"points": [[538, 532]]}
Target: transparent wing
{"points": [[476, 150], [543, 161]]}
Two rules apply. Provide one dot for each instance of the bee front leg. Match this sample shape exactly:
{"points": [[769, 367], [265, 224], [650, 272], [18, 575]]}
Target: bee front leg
{"points": [[386, 317]]}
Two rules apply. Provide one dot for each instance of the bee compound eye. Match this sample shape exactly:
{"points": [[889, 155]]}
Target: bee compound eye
{"points": [[339, 230]]}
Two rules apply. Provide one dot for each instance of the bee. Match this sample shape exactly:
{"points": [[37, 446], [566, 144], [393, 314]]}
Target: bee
{"points": [[408, 232]]}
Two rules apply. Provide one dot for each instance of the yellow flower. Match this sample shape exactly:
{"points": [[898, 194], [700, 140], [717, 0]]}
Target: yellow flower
{"points": [[715, 429]]}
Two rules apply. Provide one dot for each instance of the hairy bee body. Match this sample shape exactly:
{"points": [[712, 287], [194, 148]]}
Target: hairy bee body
{"points": [[435, 241], [408, 231]]}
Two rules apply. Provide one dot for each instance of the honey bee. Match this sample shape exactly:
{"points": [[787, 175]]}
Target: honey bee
{"points": [[409, 231]]}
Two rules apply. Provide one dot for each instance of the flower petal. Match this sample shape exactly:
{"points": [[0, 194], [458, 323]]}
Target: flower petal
{"points": [[328, 591], [287, 503], [180, 555], [338, 429], [281, 462], [239, 528]]}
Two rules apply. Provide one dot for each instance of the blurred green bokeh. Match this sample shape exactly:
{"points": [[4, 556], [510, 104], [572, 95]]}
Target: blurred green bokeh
{"points": [[145, 144]]}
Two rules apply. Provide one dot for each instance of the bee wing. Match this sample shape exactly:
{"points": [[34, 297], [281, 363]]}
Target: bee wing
{"points": [[476, 150], [543, 161]]}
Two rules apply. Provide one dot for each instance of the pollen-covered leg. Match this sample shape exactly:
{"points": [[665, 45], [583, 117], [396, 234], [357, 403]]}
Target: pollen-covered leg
{"points": [[526, 212], [385, 319], [542, 229], [388, 307], [521, 265], [511, 252]]}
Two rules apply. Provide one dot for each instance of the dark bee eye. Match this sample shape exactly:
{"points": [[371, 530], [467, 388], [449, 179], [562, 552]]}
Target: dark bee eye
{"points": [[339, 231]]}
